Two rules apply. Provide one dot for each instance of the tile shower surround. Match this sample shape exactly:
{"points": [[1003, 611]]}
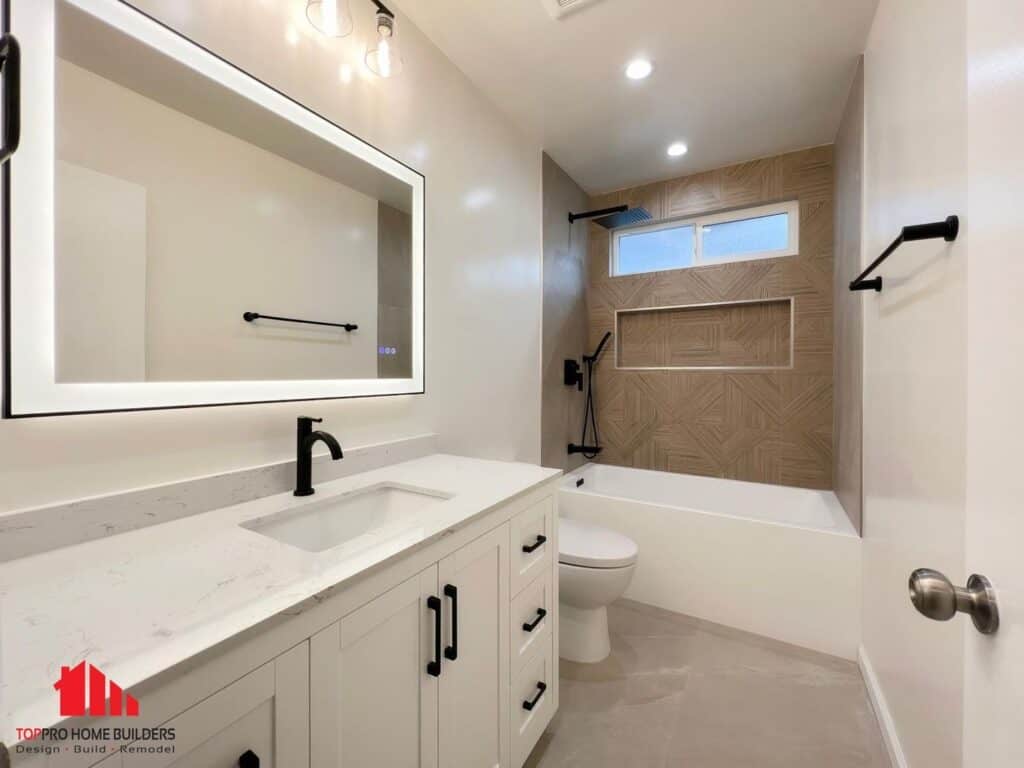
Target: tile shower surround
{"points": [[771, 427]]}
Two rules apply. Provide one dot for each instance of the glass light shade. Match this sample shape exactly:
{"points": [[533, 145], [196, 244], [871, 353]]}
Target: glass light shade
{"points": [[332, 18], [383, 58]]}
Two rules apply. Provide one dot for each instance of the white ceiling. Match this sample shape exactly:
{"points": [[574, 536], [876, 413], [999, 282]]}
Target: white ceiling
{"points": [[734, 79]]}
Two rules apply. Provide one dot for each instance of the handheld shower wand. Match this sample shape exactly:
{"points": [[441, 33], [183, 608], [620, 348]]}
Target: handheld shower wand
{"points": [[589, 414], [597, 352]]}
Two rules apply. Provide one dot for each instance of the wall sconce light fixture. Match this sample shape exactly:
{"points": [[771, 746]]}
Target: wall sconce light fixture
{"points": [[333, 18], [383, 58], [330, 17]]}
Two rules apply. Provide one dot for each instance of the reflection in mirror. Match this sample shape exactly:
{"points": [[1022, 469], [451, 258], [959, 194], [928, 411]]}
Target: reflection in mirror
{"points": [[181, 205]]}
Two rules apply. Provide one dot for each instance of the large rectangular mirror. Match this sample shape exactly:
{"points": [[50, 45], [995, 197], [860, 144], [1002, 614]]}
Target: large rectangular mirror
{"points": [[182, 234]]}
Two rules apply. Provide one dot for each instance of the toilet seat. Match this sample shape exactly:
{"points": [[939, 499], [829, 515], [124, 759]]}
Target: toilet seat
{"points": [[591, 546]]}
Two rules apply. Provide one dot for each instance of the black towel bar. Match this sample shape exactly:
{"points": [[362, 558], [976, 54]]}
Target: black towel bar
{"points": [[250, 316], [948, 230]]}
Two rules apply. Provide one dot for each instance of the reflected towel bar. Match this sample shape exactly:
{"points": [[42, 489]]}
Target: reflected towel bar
{"points": [[250, 316], [948, 230]]}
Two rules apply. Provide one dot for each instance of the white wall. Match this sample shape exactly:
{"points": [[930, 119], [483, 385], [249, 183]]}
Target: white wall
{"points": [[483, 273], [848, 307], [100, 253], [915, 366]]}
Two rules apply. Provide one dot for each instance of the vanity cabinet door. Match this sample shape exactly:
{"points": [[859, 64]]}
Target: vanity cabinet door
{"points": [[474, 682], [373, 700], [265, 713]]}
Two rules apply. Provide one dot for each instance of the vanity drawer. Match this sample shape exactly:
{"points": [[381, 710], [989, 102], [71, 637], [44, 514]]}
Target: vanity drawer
{"points": [[533, 703], [533, 542], [533, 615]]}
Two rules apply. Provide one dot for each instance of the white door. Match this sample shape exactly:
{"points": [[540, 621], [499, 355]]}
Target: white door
{"points": [[994, 665], [474, 685], [373, 701]]}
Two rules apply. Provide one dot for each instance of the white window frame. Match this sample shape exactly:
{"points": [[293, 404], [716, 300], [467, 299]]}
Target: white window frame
{"points": [[792, 248]]}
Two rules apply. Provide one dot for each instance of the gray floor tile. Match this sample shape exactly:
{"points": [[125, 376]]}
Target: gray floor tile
{"points": [[677, 691]]}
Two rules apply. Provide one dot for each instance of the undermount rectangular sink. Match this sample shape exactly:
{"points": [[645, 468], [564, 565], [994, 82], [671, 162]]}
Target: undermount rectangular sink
{"points": [[329, 522]]}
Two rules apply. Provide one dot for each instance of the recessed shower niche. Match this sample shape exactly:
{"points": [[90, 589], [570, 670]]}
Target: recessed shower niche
{"points": [[755, 334]]}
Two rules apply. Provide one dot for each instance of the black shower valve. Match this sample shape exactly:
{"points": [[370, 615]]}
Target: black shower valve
{"points": [[572, 375]]}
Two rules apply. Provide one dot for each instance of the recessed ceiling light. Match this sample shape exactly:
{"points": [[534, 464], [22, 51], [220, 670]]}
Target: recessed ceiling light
{"points": [[638, 69], [677, 149]]}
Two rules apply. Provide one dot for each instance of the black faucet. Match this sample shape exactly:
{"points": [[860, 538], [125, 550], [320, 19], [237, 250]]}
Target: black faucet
{"points": [[306, 438]]}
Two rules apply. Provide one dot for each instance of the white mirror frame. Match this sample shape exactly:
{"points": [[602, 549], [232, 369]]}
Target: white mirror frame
{"points": [[30, 385]]}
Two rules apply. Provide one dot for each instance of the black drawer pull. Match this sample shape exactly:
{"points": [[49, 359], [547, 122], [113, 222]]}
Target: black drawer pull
{"points": [[529, 705], [452, 651], [249, 759], [541, 613], [536, 545], [434, 667]]}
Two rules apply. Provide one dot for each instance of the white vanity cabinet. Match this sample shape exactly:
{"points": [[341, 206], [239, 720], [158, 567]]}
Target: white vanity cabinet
{"points": [[264, 714], [420, 675], [474, 685], [372, 701], [434, 659]]}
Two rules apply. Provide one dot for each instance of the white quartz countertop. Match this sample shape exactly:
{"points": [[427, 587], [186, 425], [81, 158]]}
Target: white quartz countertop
{"points": [[136, 604]]}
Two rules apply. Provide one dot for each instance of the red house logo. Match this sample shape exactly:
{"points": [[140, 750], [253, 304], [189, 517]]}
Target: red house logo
{"points": [[74, 694]]}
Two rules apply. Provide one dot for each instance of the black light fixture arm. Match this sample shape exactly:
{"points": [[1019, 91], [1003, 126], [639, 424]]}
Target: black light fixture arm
{"points": [[251, 316], [381, 8], [573, 217], [947, 230]]}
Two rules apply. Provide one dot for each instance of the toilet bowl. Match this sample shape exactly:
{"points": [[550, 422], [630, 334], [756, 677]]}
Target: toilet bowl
{"points": [[595, 566]]}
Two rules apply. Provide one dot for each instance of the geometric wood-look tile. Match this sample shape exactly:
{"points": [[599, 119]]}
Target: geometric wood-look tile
{"points": [[770, 426]]}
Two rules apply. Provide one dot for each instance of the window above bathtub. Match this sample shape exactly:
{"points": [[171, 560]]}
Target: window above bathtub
{"points": [[764, 232]]}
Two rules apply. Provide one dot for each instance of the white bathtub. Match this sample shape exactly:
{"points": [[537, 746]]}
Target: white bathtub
{"points": [[778, 561]]}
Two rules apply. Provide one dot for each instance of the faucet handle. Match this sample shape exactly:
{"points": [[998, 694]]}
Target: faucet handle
{"points": [[310, 419]]}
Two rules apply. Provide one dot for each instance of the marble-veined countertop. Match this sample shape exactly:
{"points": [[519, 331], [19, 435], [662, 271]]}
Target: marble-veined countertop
{"points": [[139, 603]]}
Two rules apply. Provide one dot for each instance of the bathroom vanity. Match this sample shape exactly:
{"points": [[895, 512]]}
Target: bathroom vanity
{"points": [[399, 617]]}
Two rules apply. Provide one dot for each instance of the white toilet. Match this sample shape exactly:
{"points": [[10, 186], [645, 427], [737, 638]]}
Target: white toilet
{"points": [[595, 565]]}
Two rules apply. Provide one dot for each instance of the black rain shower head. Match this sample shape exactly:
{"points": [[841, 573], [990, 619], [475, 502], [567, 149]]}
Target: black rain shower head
{"points": [[611, 218]]}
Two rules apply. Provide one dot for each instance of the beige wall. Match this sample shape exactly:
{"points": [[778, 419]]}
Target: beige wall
{"points": [[483, 268], [565, 314], [849, 323], [915, 367], [764, 426]]}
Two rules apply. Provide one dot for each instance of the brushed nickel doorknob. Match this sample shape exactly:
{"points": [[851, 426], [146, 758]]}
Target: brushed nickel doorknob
{"points": [[936, 597]]}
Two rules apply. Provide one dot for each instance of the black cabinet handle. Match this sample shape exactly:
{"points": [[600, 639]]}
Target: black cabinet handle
{"points": [[541, 613], [434, 667], [10, 65], [536, 545], [529, 705], [249, 759], [452, 651]]}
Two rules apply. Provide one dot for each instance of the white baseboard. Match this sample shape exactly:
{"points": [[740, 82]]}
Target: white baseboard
{"points": [[878, 703]]}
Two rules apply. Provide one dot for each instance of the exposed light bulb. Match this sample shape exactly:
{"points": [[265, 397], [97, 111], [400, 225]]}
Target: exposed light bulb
{"points": [[383, 58], [638, 69], [330, 17], [678, 149]]}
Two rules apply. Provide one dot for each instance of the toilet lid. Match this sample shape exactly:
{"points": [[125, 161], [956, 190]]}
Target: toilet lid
{"points": [[591, 546]]}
